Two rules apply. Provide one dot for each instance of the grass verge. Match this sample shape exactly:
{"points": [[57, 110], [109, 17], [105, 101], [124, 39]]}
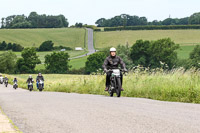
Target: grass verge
{"points": [[176, 85]]}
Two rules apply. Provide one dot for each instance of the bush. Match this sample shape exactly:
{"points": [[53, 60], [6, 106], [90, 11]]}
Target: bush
{"points": [[10, 46], [94, 62], [57, 62], [154, 54], [28, 62], [97, 29], [195, 57], [153, 27], [46, 46], [62, 47], [7, 62]]}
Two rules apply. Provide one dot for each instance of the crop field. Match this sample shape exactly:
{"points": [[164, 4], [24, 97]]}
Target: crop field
{"points": [[70, 37], [176, 85], [114, 38]]}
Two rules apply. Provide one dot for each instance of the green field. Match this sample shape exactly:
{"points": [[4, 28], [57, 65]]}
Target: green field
{"points": [[177, 85], [70, 37], [114, 38], [78, 63], [184, 51]]}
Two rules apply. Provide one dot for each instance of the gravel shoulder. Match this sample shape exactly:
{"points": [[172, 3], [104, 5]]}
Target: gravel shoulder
{"points": [[50, 112]]}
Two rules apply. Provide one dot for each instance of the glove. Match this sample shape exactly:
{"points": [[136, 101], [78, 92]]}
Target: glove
{"points": [[125, 70], [105, 70]]}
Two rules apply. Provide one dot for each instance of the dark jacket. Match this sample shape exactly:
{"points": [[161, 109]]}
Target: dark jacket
{"points": [[4, 79], [15, 80], [39, 78], [29, 80], [113, 63]]}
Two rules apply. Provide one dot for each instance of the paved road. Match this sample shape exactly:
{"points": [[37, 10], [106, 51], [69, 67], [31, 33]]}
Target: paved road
{"points": [[90, 44], [50, 112]]}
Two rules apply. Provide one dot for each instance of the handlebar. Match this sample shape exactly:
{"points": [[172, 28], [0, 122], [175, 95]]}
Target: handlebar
{"points": [[121, 70]]}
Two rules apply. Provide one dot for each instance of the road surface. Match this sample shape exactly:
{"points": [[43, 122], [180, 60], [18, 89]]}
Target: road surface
{"points": [[53, 112], [91, 49]]}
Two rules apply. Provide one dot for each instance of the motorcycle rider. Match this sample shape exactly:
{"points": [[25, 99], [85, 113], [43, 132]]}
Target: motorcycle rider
{"points": [[1, 78], [15, 80], [5, 79], [30, 79], [112, 62], [39, 77]]}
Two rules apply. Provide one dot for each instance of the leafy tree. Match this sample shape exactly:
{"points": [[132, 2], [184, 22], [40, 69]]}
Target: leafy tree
{"points": [[79, 25], [28, 62], [57, 62], [124, 53], [7, 62], [121, 20], [10, 46], [3, 45], [17, 47], [139, 53], [154, 54], [46, 46], [33, 18], [94, 62], [163, 51], [100, 22], [195, 18], [195, 57]]}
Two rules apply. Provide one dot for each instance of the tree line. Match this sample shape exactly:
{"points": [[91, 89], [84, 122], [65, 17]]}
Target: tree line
{"points": [[151, 27], [34, 20], [10, 46], [128, 20], [45, 46]]}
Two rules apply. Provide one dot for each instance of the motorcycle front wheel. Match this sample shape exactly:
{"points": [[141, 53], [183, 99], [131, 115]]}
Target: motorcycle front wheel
{"points": [[118, 89]]}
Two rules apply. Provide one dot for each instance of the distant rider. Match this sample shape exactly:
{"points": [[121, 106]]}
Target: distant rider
{"points": [[5, 79], [15, 81], [112, 62], [39, 77], [30, 79], [1, 79]]}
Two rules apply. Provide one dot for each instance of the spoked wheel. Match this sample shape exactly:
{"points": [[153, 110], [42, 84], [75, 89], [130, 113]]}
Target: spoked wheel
{"points": [[40, 88], [112, 85], [111, 93], [118, 90]]}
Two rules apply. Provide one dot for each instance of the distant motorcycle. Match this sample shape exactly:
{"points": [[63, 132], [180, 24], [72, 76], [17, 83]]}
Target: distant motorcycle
{"points": [[15, 86], [30, 85], [40, 85], [115, 82], [1, 80], [6, 83]]}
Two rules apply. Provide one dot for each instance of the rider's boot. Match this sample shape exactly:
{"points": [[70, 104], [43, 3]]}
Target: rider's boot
{"points": [[106, 89]]}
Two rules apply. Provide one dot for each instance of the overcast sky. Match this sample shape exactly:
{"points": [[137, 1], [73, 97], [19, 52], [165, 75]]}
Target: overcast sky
{"points": [[88, 11]]}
